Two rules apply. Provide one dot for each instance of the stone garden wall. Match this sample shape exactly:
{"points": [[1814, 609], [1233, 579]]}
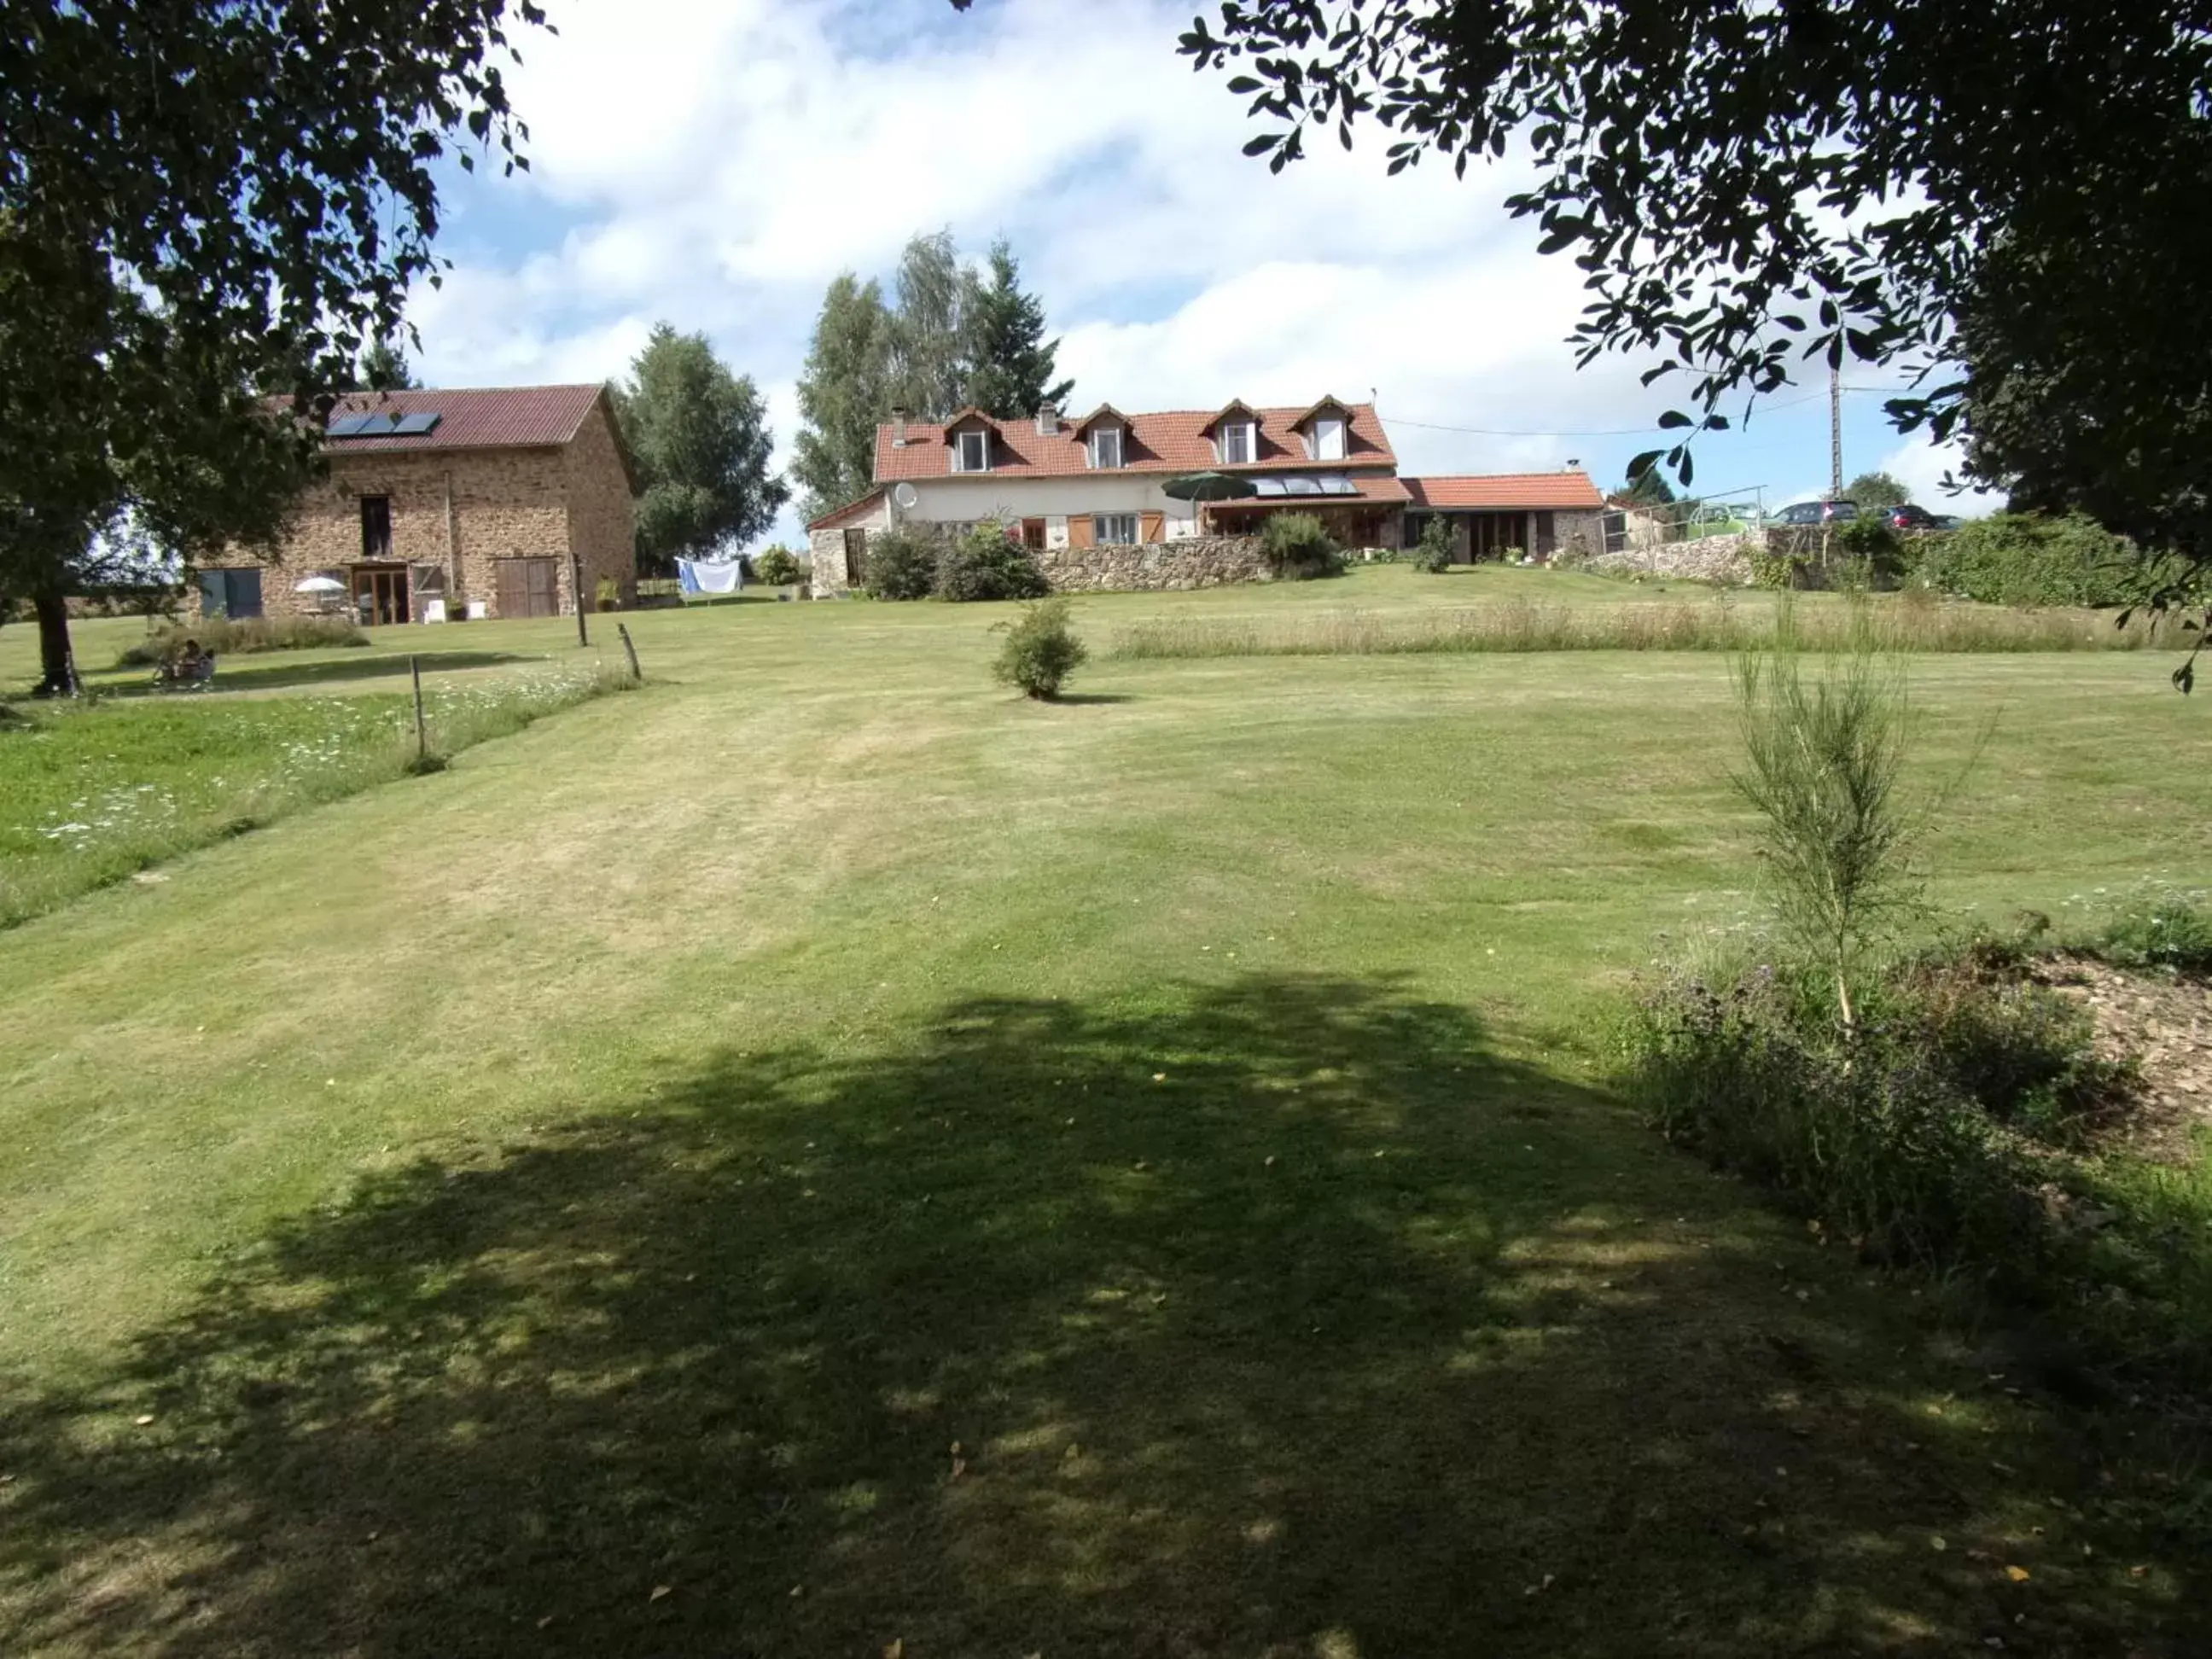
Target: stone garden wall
{"points": [[1725, 560], [1191, 561]]}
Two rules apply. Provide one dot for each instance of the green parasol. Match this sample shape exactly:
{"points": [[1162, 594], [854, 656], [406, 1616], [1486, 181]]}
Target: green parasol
{"points": [[1196, 487]]}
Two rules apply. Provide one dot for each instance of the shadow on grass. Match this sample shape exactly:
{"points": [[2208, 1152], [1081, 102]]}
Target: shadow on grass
{"points": [[1281, 1320], [269, 671], [1091, 699]]}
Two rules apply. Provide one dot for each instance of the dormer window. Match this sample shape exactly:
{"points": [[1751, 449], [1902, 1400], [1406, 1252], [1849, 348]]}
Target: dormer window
{"points": [[1106, 447], [1329, 437], [972, 452], [1237, 446]]}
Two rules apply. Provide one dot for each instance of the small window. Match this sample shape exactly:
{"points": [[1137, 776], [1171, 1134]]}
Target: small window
{"points": [[1106, 446], [1328, 439], [974, 452], [376, 526], [1236, 443], [1115, 527]]}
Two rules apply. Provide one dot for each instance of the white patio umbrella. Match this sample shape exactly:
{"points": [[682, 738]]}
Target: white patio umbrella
{"points": [[320, 585]]}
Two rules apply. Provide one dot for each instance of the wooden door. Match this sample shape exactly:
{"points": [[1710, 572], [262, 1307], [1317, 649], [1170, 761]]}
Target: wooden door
{"points": [[856, 558], [529, 587], [1033, 534], [1152, 527]]}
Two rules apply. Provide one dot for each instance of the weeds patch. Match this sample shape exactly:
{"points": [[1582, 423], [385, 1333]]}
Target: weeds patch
{"points": [[1520, 625], [221, 637]]}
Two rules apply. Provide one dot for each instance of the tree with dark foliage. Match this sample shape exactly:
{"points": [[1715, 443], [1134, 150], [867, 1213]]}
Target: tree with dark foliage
{"points": [[701, 439], [1010, 362], [198, 204]]}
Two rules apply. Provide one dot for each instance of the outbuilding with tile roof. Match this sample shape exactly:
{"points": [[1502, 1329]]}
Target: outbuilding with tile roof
{"points": [[436, 505], [1493, 515]]}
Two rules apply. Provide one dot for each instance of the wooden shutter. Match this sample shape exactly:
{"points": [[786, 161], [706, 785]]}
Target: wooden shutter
{"points": [[1079, 527], [1153, 527]]}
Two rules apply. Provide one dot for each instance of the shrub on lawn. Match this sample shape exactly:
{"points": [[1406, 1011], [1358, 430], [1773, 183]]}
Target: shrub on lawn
{"points": [[1041, 650], [1823, 758], [987, 563], [901, 563], [222, 637], [1299, 548], [1825, 1069], [1433, 552], [607, 595], [2027, 558], [777, 568]]}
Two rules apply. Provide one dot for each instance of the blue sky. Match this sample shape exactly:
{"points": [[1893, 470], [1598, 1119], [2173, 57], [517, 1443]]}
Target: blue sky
{"points": [[715, 162]]}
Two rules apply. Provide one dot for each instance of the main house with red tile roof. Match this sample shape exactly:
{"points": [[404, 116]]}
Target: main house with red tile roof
{"points": [[1097, 479], [439, 505]]}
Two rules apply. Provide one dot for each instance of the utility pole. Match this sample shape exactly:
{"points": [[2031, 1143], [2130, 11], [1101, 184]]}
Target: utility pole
{"points": [[1835, 429]]}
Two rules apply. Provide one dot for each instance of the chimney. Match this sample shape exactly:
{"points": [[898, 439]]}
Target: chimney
{"points": [[898, 429], [1048, 420]]}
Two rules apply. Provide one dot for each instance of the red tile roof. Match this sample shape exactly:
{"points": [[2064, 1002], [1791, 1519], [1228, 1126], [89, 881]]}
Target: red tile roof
{"points": [[1541, 490], [851, 513], [481, 417], [1173, 440]]}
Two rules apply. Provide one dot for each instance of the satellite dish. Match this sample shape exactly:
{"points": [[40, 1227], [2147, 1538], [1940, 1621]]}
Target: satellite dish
{"points": [[906, 497]]}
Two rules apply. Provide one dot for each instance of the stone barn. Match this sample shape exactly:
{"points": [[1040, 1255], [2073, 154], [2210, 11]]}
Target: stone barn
{"points": [[483, 502]]}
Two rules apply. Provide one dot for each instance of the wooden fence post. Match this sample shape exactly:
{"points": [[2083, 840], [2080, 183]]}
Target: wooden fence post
{"points": [[576, 586], [635, 672], [421, 726]]}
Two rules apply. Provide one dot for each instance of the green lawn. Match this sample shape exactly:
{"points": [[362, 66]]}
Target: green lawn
{"points": [[891, 1163]]}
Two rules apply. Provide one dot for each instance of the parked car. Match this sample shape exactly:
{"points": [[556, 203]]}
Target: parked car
{"points": [[1832, 510], [1909, 517]]}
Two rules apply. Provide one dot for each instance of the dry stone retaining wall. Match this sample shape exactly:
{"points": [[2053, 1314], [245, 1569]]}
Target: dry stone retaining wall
{"points": [[1723, 559], [1193, 561]]}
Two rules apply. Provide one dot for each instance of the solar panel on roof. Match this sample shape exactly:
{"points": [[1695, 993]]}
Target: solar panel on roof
{"points": [[346, 426], [1303, 487], [1337, 484], [415, 425], [1267, 486]]}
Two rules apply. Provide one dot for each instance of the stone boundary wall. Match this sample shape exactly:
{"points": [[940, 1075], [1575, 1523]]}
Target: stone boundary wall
{"points": [[1122, 568], [1723, 559]]}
